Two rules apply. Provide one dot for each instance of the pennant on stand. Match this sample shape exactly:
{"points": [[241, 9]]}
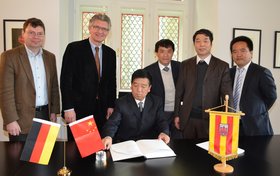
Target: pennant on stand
{"points": [[40, 141], [86, 136], [223, 134]]}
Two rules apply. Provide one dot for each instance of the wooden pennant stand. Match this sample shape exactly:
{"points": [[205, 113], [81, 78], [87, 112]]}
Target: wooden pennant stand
{"points": [[223, 167]]}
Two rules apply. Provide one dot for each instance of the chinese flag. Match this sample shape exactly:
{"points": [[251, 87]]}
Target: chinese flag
{"points": [[224, 133], [86, 135], [40, 141]]}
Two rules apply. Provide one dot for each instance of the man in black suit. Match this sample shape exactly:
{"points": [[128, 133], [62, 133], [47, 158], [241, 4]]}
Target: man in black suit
{"points": [[137, 115], [88, 75], [255, 92], [164, 78]]}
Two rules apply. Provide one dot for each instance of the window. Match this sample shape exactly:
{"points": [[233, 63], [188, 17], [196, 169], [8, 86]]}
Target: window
{"points": [[136, 27]]}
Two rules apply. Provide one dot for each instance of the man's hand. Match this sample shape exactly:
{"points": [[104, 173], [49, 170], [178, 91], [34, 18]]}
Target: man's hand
{"points": [[70, 116], [13, 128], [164, 137], [177, 122], [53, 117], [109, 112], [107, 142]]}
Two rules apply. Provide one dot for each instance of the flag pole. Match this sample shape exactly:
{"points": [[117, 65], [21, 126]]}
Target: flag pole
{"points": [[64, 171]]}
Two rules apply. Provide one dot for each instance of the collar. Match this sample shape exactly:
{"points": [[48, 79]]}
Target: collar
{"points": [[137, 101], [30, 53], [207, 59], [245, 67], [93, 45], [162, 66]]}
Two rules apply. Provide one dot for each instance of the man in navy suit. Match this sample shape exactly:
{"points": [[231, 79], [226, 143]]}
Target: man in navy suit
{"points": [[88, 75], [257, 89], [137, 115], [164, 78]]}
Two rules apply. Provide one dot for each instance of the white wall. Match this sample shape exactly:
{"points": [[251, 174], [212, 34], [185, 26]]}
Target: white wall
{"points": [[252, 14], [48, 11], [220, 16]]}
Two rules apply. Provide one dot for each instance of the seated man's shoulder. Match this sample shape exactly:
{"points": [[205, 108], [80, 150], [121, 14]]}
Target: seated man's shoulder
{"points": [[156, 99]]}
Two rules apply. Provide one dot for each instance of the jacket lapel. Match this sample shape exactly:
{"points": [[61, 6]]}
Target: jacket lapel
{"points": [[26, 65], [211, 67], [133, 107], [47, 69], [158, 74], [248, 75]]}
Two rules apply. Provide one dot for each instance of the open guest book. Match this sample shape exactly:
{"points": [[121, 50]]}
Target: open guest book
{"points": [[148, 148]]}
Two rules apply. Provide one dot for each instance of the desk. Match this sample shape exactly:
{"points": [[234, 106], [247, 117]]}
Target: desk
{"points": [[261, 158]]}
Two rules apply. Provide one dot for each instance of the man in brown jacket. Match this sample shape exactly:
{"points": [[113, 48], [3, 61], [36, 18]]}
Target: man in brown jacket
{"points": [[203, 82], [28, 82]]}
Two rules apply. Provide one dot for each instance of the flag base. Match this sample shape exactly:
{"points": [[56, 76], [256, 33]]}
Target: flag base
{"points": [[223, 168], [64, 172]]}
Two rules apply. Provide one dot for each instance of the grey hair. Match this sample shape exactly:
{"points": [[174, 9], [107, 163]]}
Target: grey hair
{"points": [[101, 17]]}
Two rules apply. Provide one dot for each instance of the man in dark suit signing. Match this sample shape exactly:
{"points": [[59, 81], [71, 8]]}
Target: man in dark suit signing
{"points": [[203, 82], [28, 82], [164, 78], [88, 75], [254, 90], [137, 115]]}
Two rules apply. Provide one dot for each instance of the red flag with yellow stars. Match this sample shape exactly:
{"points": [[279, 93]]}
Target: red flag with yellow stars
{"points": [[223, 134], [86, 136]]}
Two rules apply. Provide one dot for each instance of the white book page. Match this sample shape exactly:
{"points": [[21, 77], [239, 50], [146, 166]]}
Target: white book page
{"points": [[155, 148], [205, 146], [125, 150]]}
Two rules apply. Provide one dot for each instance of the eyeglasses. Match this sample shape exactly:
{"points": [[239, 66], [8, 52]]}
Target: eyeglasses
{"points": [[100, 28], [33, 34]]}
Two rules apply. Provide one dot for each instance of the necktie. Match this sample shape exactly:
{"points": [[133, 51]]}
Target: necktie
{"points": [[140, 105], [201, 62], [237, 88], [165, 69], [97, 61]]}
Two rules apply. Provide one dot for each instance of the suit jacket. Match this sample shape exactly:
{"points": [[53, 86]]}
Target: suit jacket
{"points": [[79, 79], [126, 122], [216, 85], [257, 96], [17, 89], [157, 82]]}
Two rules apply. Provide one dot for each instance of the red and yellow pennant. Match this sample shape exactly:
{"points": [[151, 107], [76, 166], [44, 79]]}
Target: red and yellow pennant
{"points": [[223, 134]]}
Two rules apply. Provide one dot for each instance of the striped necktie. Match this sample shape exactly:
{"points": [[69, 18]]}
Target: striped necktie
{"points": [[237, 87]]}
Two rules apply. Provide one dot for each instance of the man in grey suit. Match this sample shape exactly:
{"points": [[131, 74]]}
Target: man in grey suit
{"points": [[257, 91], [28, 82], [203, 82], [164, 78], [137, 115]]}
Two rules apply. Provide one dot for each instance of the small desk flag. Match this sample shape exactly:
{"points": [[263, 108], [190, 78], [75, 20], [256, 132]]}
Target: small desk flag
{"points": [[223, 134], [40, 141], [86, 136]]}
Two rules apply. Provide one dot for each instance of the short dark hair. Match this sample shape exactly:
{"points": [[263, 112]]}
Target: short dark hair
{"points": [[206, 32], [141, 73], [166, 43], [34, 22], [245, 39]]}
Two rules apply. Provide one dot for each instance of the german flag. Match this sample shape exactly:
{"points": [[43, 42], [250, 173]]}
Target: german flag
{"points": [[40, 142], [223, 134]]}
